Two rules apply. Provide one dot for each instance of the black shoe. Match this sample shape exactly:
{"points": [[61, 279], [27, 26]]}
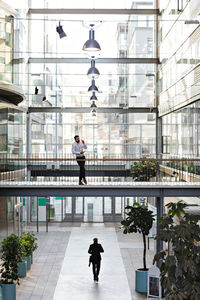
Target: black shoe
{"points": [[81, 183], [84, 180]]}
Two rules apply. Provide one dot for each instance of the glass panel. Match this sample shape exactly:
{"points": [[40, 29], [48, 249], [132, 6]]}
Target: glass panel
{"points": [[93, 209], [79, 205], [118, 205], [68, 205], [10, 214], [107, 205], [3, 218]]}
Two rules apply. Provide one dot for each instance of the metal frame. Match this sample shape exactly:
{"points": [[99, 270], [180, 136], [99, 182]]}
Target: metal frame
{"points": [[135, 190], [75, 60], [122, 110], [100, 11]]}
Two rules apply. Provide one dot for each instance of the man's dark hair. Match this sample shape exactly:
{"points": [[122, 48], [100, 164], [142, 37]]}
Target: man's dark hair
{"points": [[76, 136]]}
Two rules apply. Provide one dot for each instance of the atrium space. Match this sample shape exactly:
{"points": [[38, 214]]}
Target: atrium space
{"points": [[99, 124]]}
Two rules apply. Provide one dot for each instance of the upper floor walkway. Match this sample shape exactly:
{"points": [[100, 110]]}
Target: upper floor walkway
{"points": [[117, 188]]}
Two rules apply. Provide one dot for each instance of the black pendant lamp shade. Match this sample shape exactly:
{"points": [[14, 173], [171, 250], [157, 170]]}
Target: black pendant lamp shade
{"points": [[93, 111], [93, 105], [93, 98], [93, 72], [60, 31], [91, 44], [93, 87]]}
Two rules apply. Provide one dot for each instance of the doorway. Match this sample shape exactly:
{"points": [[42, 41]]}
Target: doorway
{"points": [[93, 209]]}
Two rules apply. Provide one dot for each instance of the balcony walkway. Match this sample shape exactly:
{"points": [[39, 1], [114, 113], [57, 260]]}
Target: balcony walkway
{"points": [[120, 189]]}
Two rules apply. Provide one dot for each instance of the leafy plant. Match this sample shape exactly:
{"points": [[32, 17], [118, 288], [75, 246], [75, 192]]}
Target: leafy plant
{"points": [[139, 219], [28, 241], [180, 270], [144, 170], [11, 255]]}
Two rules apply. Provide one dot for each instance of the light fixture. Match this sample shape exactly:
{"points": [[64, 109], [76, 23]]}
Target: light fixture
{"points": [[60, 31], [36, 90], [93, 105], [93, 87], [150, 75], [94, 111], [192, 22], [91, 44], [93, 72], [93, 98]]}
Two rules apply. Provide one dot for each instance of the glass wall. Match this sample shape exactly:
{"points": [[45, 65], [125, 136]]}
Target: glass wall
{"points": [[103, 139], [11, 216], [178, 77], [6, 46], [12, 131], [12, 142], [66, 84], [181, 132]]}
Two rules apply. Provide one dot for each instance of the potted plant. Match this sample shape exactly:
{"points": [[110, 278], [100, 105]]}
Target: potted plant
{"points": [[139, 219], [11, 255], [28, 241], [30, 236], [180, 266], [144, 170]]}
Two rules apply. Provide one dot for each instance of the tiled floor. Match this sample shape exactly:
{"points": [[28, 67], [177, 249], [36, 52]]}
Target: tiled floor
{"points": [[41, 280], [76, 279], [131, 246], [57, 263]]}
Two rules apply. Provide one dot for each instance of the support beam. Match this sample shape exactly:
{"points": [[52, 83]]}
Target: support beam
{"points": [[159, 144], [65, 11], [74, 60], [123, 110], [55, 189], [160, 208]]}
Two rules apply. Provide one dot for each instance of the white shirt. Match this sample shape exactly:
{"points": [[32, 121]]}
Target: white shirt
{"points": [[77, 148]]}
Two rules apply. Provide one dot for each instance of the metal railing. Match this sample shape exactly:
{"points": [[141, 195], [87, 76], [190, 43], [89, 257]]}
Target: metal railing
{"points": [[101, 169]]}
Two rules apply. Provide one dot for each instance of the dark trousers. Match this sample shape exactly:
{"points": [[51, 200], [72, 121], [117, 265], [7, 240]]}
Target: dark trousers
{"points": [[82, 167], [96, 268]]}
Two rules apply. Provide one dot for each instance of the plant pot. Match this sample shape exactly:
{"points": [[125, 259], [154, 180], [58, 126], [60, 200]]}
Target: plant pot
{"points": [[141, 280], [8, 291], [22, 269], [28, 262]]}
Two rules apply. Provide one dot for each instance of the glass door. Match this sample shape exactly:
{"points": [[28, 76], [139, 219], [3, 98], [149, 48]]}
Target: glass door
{"points": [[93, 209]]}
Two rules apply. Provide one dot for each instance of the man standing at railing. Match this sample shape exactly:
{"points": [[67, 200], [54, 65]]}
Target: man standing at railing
{"points": [[78, 148]]}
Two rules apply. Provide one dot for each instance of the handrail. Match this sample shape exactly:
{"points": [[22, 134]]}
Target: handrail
{"points": [[100, 159]]}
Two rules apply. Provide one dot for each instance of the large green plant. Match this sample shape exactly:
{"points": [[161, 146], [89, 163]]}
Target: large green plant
{"points": [[139, 219], [28, 241], [144, 170], [11, 255], [180, 269]]}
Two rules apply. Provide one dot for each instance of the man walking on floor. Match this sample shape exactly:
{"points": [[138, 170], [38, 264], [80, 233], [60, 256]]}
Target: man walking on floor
{"points": [[78, 148], [95, 249]]}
